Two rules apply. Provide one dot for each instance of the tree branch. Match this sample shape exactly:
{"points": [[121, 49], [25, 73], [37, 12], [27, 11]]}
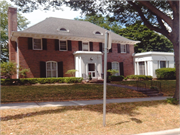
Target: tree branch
{"points": [[138, 9], [157, 12]]}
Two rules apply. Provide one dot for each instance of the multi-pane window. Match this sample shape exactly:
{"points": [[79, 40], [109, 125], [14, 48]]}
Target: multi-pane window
{"points": [[162, 64], [123, 48], [37, 45], [51, 69], [85, 46], [141, 68], [115, 65], [63, 45]]}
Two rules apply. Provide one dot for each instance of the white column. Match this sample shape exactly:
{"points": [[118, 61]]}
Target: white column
{"points": [[137, 68]]}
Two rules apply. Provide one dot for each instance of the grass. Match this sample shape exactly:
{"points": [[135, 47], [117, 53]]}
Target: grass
{"points": [[10, 94], [121, 118], [167, 86]]}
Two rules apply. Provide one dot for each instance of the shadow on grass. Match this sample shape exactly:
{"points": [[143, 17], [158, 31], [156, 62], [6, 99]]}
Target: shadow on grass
{"points": [[115, 108]]}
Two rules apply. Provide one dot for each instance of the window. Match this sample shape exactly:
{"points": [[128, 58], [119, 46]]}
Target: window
{"points": [[91, 69], [63, 45], [162, 64], [141, 68], [37, 44], [63, 30], [98, 33], [115, 65], [85, 46], [123, 48], [51, 69]]}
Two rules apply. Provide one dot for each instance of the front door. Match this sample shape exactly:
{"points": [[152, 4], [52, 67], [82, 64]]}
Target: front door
{"points": [[92, 70]]}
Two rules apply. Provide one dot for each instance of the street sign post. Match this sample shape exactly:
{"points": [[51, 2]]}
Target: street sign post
{"points": [[107, 46]]}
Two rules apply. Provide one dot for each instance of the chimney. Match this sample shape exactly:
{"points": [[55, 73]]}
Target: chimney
{"points": [[12, 26]]}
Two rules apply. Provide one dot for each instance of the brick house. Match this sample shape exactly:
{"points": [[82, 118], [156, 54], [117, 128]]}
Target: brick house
{"points": [[54, 46]]}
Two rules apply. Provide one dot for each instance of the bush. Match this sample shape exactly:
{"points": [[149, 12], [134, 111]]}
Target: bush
{"points": [[139, 77], [117, 78], [166, 73], [23, 81], [172, 101]]}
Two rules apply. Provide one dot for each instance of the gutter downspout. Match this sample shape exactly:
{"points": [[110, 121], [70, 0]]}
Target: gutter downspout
{"points": [[17, 59]]}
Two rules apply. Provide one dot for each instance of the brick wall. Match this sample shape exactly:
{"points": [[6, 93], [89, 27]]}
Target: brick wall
{"points": [[31, 58]]}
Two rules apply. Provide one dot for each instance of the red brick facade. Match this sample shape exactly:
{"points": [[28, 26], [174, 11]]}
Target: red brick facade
{"points": [[31, 58]]}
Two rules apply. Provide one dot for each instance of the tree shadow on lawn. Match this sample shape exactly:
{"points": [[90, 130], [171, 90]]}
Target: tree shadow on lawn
{"points": [[115, 108]]}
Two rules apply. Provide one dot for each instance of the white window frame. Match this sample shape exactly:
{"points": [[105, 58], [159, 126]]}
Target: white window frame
{"points": [[60, 45], [160, 63], [51, 67], [115, 62], [122, 50], [33, 43], [83, 45]]}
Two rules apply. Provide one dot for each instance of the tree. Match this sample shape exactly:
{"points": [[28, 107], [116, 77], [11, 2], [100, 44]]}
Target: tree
{"points": [[150, 40], [8, 69], [160, 16], [22, 24]]}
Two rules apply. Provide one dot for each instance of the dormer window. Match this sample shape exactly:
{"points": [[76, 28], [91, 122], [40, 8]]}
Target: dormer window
{"points": [[98, 33], [63, 30]]}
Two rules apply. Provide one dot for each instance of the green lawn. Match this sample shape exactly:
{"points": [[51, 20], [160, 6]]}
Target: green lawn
{"points": [[167, 86], [41, 93]]}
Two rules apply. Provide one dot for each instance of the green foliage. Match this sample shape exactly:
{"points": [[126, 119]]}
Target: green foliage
{"points": [[22, 24], [23, 71], [112, 71], [71, 72], [8, 69], [172, 101], [166, 73], [23, 81], [139, 77], [117, 78], [150, 40]]}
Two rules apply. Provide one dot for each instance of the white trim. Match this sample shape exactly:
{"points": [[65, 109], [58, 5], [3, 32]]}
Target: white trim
{"points": [[60, 45], [33, 43], [154, 53], [124, 47], [16, 34], [87, 52], [51, 66]]}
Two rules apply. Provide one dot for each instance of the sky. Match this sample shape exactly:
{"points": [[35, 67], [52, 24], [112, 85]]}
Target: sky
{"points": [[37, 15]]}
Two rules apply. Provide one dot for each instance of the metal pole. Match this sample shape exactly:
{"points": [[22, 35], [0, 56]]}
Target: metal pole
{"points": [[105, 79]]}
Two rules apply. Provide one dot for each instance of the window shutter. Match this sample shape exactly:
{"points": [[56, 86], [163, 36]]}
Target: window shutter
{"points": [[100, 47], [121, 68], [119, 48], [69, 45], [127, 48], [56, 44], [110, 50], [91, 46], [60, 69], [109, 66], [44, 41], [80, 45], [42, 69], [30, 43]]}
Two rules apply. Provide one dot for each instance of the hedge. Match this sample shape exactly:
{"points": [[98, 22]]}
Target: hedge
{"points": [[139, 77], [166, 73], [22, 81], [116, 78]]}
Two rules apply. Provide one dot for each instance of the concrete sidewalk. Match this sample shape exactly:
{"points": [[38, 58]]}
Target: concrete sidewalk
{"points": [[76, 103]]}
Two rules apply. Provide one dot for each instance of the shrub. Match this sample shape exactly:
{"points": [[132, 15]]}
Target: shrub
{"points": [[166, 73], [117, 78], [23, 81], [71, 72], [139, 77], [8, 69], [112, 71], [172, 101]]}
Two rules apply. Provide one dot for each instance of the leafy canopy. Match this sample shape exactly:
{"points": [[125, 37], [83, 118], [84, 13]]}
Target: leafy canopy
{"points": [[22, 24]]}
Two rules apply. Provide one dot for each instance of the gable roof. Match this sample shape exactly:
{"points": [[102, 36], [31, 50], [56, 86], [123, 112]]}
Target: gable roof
{"points": [[79, 29]]}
